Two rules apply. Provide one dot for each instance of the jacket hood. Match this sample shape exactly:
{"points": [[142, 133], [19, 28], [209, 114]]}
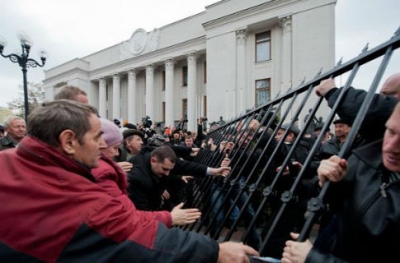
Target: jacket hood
{"points": [[46, 155]]}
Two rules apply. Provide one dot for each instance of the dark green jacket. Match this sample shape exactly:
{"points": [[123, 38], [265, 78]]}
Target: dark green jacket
{"points": [[6, 143]]}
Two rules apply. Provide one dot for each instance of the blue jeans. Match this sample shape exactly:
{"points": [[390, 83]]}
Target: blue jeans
{"points": [[248, 213]]}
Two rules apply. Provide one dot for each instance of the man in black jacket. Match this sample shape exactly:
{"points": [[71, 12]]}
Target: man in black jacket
{"points": [[368, 183], [151, 167]]}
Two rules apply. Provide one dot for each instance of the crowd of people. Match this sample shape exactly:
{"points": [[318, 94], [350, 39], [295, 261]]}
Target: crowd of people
{"points": [[90, 189]]}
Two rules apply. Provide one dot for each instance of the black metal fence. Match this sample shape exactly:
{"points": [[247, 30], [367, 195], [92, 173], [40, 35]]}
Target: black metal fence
{"points": [[257, 197]]}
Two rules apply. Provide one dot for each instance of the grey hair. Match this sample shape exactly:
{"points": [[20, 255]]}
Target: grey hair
{"points": [[9, 119], [49, 120]]}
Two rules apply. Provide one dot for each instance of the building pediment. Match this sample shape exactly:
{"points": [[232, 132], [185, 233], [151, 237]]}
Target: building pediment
{"points": [[141, 42]]}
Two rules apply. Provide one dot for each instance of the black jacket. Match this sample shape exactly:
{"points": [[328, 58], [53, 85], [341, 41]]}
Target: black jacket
{"points": [[369, 224]]}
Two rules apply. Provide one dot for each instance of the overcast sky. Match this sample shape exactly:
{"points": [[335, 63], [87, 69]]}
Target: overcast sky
{"points": [[69, 29]]}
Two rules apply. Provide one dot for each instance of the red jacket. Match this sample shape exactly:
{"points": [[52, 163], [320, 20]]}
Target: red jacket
{"points": [[114, 180], [53, 211]]}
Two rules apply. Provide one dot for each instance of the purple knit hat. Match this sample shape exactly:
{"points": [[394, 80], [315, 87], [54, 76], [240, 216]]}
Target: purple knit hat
{"points": [[111, 133]]}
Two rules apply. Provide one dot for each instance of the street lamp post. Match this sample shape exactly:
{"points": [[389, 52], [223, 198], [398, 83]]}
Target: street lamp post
{"points": [[24, 62]]}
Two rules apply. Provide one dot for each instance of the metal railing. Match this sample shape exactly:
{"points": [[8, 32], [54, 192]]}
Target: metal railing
{"points": [[254, 185]]}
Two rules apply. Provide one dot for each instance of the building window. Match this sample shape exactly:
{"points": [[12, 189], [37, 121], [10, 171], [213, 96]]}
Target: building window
{"points": [[184, 76], [263, 91], [205, 106], [163, 80], [163, 111], [184, 108], [106, 92], [263, 46], [205, 72]]}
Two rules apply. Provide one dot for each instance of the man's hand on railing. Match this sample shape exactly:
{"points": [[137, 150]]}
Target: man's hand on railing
{"points": [[295, 165], [225, 162], [324, 87], [333, 169], [224, 171], [295, 252]]}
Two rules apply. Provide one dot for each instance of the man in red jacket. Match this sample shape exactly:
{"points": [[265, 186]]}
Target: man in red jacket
{"points": [[55, 212]]}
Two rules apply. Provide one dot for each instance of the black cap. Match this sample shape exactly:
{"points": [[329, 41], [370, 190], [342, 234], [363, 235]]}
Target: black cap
{"points": [[292, 128], [130, 126], [320, 126], [156, 140], [130, 132], [341, 121], [117, 122]]}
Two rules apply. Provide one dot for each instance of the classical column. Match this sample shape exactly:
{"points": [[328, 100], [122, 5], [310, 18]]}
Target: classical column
{"points": [[239, 95], [150, 91], [169, 92], [102, 98], [191, 92], [286, 24], [116, 97], [132, 118]]}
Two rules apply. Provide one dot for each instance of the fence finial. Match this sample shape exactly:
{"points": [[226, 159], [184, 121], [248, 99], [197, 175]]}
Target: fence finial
{"points": [[302, 81], [365, 48], [339, 62], [397, 32], [319, 73]]}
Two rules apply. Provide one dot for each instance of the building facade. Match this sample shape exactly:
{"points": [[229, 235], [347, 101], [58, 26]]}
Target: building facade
{"points": [[236, 55]]}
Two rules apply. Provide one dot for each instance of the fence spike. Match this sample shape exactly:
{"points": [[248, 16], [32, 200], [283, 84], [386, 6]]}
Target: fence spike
{"points": [[339, 62], [396, 33], [319, 73], [365, 48]]}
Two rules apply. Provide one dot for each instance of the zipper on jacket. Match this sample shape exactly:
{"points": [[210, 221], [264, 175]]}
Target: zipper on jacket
{"points": [[381, 192], [383, 189], [385, 185]]}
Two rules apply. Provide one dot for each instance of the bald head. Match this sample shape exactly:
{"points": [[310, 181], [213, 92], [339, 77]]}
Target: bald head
{"points": [[391, 87], [72, 93]]}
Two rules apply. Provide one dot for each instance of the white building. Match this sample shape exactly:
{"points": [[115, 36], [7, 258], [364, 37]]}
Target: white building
{"points": [[234, 56]]}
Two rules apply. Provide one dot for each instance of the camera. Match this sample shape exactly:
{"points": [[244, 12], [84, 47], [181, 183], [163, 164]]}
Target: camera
{"points": [[204, 119], [184, 120], [147, 122]]}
